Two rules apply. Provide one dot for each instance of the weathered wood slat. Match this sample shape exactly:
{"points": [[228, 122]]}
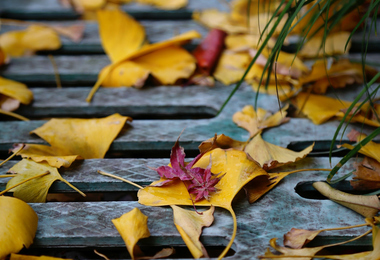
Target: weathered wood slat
{"points": [[145, 135], [52, 10], [83, 174], [156, 31], [75, 70], [66, 224]]}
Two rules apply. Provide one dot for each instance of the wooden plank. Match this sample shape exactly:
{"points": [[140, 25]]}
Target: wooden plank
{"points": [[151, 102], [74, 70], [156, 31], [83, 174], [52, 10], [66, 224]]}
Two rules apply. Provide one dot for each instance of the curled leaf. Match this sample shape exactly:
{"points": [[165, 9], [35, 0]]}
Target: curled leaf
{"points": [[18, 225], [368, 206], [366, 175], [221, 141], [270, 156], [189, 225], [132, 226], [15, 90]]}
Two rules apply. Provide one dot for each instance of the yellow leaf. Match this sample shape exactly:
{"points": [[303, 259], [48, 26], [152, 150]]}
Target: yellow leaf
{"points": [[18, 225], [121, 35], [254, 122], [284, 90], [371, 149], [44, 153], [231, 67], [221, 141], [132, 226], [168, 64], [34, 38], [244, 42], [367, 206], [165, 4], [34, 190], [126, 74], [238, 169], [16, 90], [189, 225], [298, 238], [270, 156], [89, 5], [89, 138], [334, 45], [32, 257]]}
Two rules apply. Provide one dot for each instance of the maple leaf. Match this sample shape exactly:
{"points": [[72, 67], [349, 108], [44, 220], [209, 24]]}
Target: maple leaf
{"points": [[201, 181]]}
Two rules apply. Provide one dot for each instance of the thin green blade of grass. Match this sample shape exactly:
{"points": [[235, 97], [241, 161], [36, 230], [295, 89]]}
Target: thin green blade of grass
{"points": [[357, 147]]}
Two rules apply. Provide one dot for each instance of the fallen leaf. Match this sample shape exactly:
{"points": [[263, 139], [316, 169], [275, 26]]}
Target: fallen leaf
{"points": [[208, 51], [189, 225], [3, 57], [238, 169], [35, 190], [231, 67], [341, 73], [165, 4], [89, 138], [18, 225], [367, 206], [284, 90], [132, 226], [121, 34], [44, 153], [270, 156], [8, 104], [221, 141], [366, 175], [245, 42], [200, 182], [164, 253], [34, 38], [32, 257], [15, 90], [254, 122], [319, 109], [334, 45], [73, 32], [298, 238]]}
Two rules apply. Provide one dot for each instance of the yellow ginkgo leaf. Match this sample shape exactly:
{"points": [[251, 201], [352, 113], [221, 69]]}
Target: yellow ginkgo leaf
{"points": [[16, 90], [132, 226], [270, 156], [89, 138], [231, 67], [238, 169], [18, 225], [320, 108], [334, 45], [34, 38], [44, 153], [189, 225], [32, 257], [371, 149], [165, 4], [88, 5], [254, 122], [121, 35], [168, 64], [126, 74], [284, 90], [34, 190]]}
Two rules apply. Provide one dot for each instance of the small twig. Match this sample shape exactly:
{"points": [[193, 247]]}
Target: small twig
{"points": [[56, 72], [31, 178], [14, 154], [120, 178]]}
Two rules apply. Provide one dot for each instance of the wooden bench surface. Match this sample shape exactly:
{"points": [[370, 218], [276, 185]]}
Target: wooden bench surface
{"points": [[160, 114]]}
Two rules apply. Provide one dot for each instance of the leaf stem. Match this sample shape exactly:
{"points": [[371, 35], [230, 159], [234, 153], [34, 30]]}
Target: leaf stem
{"points": [[8, 113], [120, 178], [8, 175], [73, 187], [225, 251], [311, 169], [56, 71], [31, 178], [13, 155]]}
